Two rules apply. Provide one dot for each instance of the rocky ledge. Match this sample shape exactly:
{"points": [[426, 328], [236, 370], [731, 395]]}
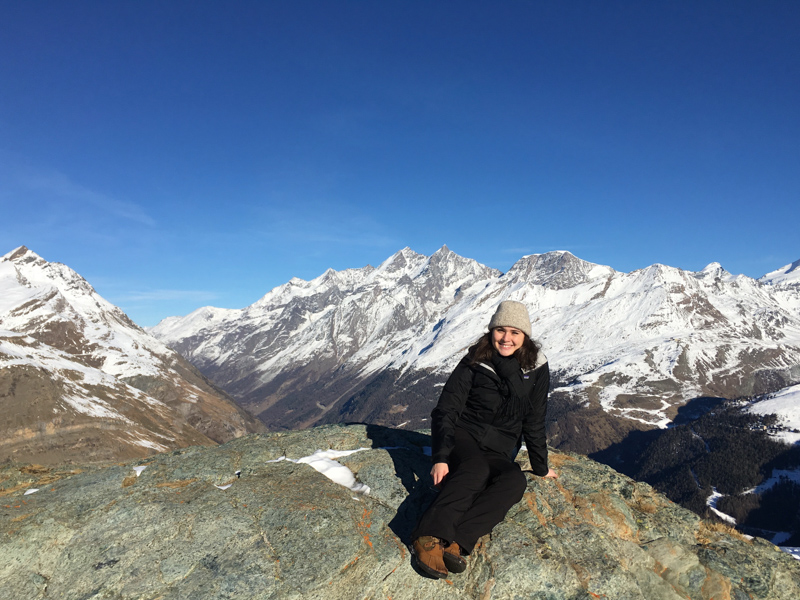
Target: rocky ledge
{"points": [[241, 521]]}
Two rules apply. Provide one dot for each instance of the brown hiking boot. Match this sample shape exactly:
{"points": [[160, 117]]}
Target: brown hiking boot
{"points": [[453, 560], [428, 556]]}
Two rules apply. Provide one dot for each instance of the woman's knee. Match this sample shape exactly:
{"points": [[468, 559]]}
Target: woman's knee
{"points": [[475, 469], [515, 482]]}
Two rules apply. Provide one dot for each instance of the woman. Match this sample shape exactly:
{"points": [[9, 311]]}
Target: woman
{"points": [[496, 396]]}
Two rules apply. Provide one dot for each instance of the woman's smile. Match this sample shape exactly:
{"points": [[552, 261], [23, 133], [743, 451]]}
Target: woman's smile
{"points": [[507, 340]]}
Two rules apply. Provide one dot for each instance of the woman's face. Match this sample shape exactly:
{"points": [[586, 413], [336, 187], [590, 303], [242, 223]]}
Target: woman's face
{"points": [[507, 340]]}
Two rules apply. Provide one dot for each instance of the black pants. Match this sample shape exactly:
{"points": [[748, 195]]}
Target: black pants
{"points": [[479, 490]]}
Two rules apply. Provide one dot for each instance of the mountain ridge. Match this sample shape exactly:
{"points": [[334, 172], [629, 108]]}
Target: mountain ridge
{"points": [[633, 345], [79, 379]]}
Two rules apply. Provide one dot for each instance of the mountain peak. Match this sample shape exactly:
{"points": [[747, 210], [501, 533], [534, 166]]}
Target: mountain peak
{"points": [[789, 274], [401, 261], [18, 253], [558, 269], [715, 270]]}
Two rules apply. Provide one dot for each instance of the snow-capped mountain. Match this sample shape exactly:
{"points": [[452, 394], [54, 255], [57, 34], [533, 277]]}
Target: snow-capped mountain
{"points": [[372, 344], [74, 367], [58, 409], [785, 276]]}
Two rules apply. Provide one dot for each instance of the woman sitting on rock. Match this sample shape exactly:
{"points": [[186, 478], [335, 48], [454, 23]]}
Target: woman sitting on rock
{"points": [[496, 396]]}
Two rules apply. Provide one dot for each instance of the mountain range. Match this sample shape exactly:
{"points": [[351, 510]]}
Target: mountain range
{"points": [[627, 351], [80, 381], [374, 344]]}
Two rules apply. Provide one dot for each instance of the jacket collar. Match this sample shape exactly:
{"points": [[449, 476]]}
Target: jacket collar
{"points": [[540, 360]]}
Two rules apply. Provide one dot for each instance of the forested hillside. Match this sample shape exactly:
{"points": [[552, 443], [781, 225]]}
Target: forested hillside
{"points": [[723, 450]]}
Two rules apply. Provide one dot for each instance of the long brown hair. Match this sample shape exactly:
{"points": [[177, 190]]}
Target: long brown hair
{"points": [[482, 350]]}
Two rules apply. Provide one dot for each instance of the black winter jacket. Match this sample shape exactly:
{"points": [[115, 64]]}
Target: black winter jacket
{"points": [[470, 400]]}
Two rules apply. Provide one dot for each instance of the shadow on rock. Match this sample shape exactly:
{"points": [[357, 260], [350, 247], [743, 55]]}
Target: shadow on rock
{"points": [[412, 466]]}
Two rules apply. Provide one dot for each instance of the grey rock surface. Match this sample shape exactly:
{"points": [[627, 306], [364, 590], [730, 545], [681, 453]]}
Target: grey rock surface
{"points": [[284, 530]]}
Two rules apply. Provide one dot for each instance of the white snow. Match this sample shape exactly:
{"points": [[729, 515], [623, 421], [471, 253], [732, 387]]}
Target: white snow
{"points": [[35, 294], [785, 404], [777, 476], [138, 470], [150, 444], [789, 274], [793, 552], [99, 345], [31, 491], [324, 462], [223, 487], [75, 378], [711, 502], [610, 334]]}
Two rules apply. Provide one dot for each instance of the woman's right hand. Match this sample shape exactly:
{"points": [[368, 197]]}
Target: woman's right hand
{"points": [[439, 472]]}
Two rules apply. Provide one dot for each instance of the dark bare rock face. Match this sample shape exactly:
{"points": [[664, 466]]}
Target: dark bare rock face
{"points": [[284, 530]]}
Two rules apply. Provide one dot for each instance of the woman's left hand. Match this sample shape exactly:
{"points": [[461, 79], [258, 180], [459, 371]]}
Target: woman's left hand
{"points": [[552, 474], [439, 472]]}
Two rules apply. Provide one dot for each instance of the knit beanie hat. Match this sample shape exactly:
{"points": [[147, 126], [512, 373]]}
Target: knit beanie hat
{"points": [[511, 314]]}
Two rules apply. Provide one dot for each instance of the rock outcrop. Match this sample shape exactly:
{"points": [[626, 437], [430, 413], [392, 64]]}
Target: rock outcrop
{"points": [[237, 521]]}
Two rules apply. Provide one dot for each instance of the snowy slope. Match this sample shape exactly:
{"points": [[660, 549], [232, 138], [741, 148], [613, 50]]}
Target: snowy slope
{"points": [[786, 405], [77, 379], [84, 343], [635, 344], [56, 409], [788, 275], [54, 304]]}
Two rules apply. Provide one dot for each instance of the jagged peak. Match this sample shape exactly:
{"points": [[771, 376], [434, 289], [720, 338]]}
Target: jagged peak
{"points": [[296, 287], [715, 269], [550, 253], [452, 266], [38, 270], [659, 269], [20, 253], [401, 260], [712, 267], [549, 258], [444, 254], [406, 253], [558, 269]]}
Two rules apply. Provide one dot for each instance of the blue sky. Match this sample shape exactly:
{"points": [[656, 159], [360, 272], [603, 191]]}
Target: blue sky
{"points": [[182, 154]]}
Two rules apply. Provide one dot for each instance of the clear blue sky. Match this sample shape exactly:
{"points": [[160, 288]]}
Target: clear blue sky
{"points": [[181, 154]]}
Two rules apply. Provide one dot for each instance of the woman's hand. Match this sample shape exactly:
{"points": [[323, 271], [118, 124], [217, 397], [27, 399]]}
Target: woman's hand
{"points": [[439, 472], [552, 474]]}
